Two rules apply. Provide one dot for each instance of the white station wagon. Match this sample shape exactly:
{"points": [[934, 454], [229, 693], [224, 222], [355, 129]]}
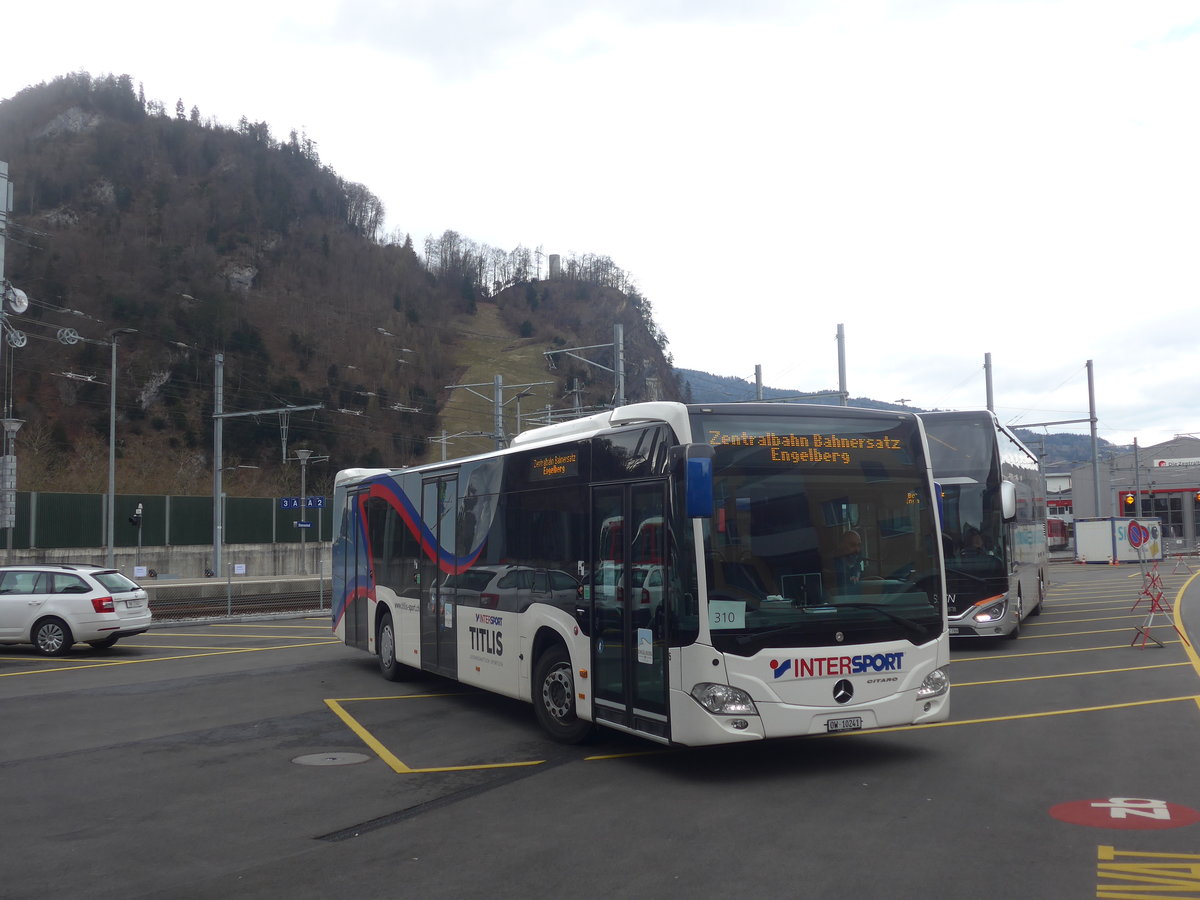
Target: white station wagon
{"points": [[54, 606]]}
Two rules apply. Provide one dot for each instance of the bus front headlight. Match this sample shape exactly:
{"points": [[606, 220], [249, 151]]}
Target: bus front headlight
{"points": [[990, 610], [935, 684], [723, 700]]}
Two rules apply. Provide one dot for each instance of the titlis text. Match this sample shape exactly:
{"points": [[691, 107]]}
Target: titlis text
{"points": [[487, 640]]}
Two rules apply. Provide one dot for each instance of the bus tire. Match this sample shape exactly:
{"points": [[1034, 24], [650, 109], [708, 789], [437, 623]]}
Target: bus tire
{"points": [[1041, 595], [554, 697], [1016, 632], [385, 643]]}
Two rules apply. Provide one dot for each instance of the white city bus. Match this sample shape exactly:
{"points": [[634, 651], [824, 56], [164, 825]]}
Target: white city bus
{"points": [[993, 523], [665, 570]]}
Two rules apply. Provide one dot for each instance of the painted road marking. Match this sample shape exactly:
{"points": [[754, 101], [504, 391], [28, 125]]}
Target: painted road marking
{"points": [[154, 659], [1129, 813], [393, 761], [962, 684], [1141, 875]]}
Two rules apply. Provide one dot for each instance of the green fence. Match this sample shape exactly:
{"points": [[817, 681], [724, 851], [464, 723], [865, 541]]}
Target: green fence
{"points": [[48, 520]]}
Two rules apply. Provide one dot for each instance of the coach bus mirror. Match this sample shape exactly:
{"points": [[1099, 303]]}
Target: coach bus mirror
{"points": [[692, 466], [941, 501], [699, 481], [1008, 500]]}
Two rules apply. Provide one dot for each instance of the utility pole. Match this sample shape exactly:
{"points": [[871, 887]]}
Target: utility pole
{"points": [[841, 342], [219, 417], [987, 381], [1099, 508], [497, 401], [218, 424], [16, 299], [618, 369]]}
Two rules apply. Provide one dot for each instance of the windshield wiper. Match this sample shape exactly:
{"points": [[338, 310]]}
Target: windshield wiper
{"points": [[913, 627]]}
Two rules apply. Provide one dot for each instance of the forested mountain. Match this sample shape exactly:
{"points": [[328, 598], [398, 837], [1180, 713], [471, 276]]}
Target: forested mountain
{"points": [[209, 239]]}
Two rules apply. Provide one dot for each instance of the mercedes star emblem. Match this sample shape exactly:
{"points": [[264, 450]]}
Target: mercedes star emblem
{"points": [[843, 691]]}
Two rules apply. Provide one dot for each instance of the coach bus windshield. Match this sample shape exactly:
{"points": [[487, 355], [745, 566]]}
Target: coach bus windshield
{"points": [[962, 451], [822, 531]]}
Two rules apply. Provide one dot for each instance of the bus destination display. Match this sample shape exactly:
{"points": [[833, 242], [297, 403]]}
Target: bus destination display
{"points": [[797, 449], [557, 465]]}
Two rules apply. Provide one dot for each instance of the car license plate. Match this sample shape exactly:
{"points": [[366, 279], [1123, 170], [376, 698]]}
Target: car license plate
{"points": [[133, 604], [850, 723]]}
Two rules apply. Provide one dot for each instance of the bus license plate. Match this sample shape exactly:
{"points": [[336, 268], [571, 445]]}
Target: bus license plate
{"points": [[953, 630], [851, 723]]}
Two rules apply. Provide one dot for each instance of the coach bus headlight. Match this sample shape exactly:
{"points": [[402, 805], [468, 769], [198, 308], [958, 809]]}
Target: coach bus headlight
{"points": [[990, 610], [935, 684], [723, 700]]}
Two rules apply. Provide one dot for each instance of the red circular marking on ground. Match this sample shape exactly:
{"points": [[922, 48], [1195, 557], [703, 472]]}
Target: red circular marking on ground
{"points": [[1129, 813]]}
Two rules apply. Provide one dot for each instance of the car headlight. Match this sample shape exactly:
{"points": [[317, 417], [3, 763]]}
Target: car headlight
{"points": [[935, 684], [723, 700], [991, 610]]}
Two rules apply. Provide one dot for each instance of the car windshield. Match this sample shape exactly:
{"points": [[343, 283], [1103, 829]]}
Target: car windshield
{"points": [[822, 537]]}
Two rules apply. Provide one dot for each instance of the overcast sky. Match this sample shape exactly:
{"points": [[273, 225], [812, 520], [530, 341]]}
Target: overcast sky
{"points": [[945, 179]]}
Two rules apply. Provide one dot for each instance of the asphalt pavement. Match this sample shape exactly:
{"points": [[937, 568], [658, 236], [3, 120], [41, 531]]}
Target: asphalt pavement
{"points": [[264, 759]]}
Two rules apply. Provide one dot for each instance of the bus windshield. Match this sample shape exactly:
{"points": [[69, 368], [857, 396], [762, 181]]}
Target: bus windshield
{"points": [[962, 448], [822, 531]]}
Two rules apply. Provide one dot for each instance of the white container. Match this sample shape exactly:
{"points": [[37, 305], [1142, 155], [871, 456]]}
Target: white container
{"points": [[1108, 541]]}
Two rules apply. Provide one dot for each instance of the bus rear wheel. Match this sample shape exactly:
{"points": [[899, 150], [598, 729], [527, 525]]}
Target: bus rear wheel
{"points": [[554, 697]]}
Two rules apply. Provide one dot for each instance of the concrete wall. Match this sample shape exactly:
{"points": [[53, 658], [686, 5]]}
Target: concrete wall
{"points": [[194, 561]]}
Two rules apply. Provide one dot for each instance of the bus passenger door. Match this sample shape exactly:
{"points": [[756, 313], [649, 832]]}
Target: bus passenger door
{"points": [[628, 650], [353, 572], [439, 615]]}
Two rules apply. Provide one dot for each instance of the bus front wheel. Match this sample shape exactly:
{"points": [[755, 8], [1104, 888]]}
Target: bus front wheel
{"points": [[385, 643], [554, 697]]}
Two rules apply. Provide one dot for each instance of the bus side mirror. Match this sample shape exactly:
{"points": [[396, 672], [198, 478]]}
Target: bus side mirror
{"points": [[693, 467], [940, 499], [1008, 500]]}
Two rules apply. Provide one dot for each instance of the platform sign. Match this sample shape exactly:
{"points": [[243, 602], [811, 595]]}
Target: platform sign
{"points": [[294, 502], [1129, 813]]}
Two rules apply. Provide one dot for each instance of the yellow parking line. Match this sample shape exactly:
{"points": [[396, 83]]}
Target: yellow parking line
{"points": [[1035, 637], [1038, 715], [133, 662], [1188, 645], [392, 761], [1069, 674], [268, 625], [224, 636], [1129, 614], [965, 659]]}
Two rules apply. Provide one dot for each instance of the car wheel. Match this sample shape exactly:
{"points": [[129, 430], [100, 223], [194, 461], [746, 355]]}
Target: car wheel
{"points": [[385, 643], [554, 697], [52, 637], [104, 644]]}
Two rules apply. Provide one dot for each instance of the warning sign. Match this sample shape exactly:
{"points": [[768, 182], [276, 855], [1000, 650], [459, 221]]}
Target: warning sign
{"points": [[1132, 813]]}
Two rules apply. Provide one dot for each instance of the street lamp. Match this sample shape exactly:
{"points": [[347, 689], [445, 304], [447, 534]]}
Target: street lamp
{"points": [[303, 456], [8, 479], [109, 556]]}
